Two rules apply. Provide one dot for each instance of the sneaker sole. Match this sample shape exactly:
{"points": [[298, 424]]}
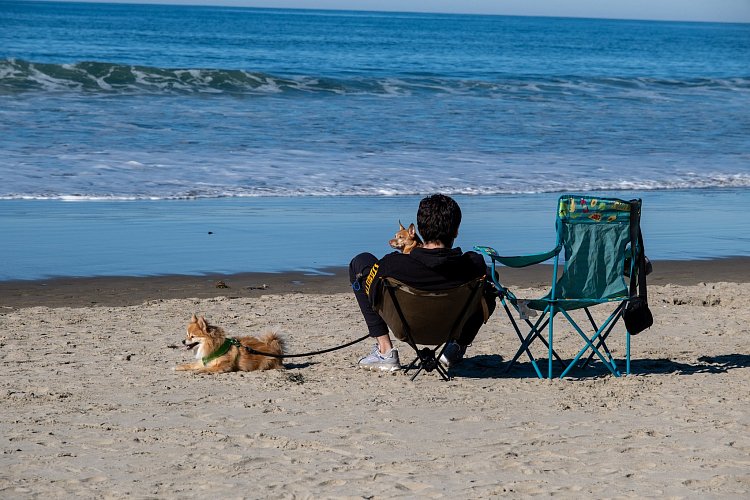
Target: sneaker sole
{"points": [[375, 368]]}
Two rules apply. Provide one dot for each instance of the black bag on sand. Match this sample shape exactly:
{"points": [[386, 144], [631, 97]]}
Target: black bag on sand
{"points": [[637, 316]]}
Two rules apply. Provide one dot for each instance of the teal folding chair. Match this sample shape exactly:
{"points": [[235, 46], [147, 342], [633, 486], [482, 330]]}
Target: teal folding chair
{"points": [[599, 240]]}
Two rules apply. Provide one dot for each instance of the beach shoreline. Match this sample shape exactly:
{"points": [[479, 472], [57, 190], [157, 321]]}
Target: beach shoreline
{"points": [[117, 291]]}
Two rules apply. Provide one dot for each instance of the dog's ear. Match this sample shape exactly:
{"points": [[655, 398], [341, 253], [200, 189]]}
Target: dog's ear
{"points": [[194, 319], [203, 324], [401, 226], [412, 230]]}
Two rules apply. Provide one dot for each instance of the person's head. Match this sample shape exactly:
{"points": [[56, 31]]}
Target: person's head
{"points": [[438, 219]]}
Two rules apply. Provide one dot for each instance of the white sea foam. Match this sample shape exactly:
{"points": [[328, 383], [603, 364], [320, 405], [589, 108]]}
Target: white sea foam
{"points": [[208, 191]]}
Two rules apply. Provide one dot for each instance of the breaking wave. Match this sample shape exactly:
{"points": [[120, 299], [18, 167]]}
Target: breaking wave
{"points": [[721, 182], [20, 76]]}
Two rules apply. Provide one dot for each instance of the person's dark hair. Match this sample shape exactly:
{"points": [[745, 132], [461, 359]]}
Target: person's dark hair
{"points": [[438, 219]]}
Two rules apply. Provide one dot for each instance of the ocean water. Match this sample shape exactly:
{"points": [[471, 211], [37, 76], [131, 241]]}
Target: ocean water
{"points": [[126, 104], [310, 234]]}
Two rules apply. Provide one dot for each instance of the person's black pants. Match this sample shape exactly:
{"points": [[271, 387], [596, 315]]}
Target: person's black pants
{"points": [[360, 267]]}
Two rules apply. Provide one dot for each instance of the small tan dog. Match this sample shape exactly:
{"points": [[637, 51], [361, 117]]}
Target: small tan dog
{"points": [[217, 353], [405, 239]]}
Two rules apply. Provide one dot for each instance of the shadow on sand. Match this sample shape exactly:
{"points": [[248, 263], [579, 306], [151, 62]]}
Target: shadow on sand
{"points": [[492, 366]]}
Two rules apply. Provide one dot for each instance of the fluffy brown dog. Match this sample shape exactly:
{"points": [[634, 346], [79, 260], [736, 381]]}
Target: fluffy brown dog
{"points": [[216, 353], [405, 239]]}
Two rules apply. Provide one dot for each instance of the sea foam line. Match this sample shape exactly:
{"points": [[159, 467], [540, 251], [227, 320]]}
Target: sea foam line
{"points": [[583, 188]]}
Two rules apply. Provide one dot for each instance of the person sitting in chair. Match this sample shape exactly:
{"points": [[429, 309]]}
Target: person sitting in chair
{"points": [[434, 266]]}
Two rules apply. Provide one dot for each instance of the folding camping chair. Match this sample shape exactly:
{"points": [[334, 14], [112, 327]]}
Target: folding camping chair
{"points": [[429, 318], [600, 237]]}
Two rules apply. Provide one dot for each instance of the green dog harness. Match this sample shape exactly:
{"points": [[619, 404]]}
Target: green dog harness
{"points": [[228, 343]]}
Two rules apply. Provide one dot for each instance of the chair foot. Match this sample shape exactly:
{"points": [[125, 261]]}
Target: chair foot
{"points": [[427, 361]]}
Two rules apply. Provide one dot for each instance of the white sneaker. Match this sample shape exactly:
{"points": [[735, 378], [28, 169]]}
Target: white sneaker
{"points": [[375, 361], [453, 354]]}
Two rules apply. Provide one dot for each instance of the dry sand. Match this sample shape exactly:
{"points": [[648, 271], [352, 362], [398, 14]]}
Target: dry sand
{"points": [[92, 408]]}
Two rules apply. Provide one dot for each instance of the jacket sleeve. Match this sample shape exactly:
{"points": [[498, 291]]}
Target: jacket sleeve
{"points": [[391, 264], [372, 283]]}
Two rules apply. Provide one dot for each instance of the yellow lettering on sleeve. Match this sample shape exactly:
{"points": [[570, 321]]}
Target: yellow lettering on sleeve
{"points": [[371, 278]]}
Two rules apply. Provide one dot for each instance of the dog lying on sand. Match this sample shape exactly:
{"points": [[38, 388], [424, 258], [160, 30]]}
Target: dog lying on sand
{"points": [[405, 239], [217, 353]]}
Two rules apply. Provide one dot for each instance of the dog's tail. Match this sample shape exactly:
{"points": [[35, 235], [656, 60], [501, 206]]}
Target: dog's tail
{"points": [[274, 344]]}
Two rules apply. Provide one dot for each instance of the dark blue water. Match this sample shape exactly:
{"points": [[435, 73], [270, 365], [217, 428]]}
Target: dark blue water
{"points": [[159, 102]]}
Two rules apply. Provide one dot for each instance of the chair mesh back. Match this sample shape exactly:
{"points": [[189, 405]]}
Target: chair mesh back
{"points": [[432, 317], [595, 233]]}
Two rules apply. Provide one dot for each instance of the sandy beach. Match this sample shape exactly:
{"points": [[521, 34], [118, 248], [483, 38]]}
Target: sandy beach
{"points": [[93, 409]]}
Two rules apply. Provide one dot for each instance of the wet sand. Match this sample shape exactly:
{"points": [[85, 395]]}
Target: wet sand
{"points": [[125, 291]]}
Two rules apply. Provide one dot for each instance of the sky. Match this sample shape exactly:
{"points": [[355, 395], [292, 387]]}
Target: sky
{"points": [[673, 10]]}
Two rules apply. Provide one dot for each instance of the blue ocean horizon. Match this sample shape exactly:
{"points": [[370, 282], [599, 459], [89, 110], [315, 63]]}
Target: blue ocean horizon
{"points": [[320, 129]]}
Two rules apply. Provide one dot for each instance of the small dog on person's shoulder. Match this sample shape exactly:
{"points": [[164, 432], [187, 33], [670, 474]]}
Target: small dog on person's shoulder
{"points": [[405, 239], [216, 353]]}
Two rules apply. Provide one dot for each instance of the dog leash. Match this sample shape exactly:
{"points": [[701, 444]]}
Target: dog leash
{"points": [[233, 341], [356, 286], [302, 355]]}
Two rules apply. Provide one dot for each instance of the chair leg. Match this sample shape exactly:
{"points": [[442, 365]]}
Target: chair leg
{"points": [[419, 369], [443, 372], [589, 345], [534, 334], [617, 314], [525, 342], [544, 341], [417, 362], [428, 361], [414, 364], [602, 339], [627, 353], [601, 343], [550, 336]]}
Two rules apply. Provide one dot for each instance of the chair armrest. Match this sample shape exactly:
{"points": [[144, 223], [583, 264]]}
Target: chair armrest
{"points": [[518, 260]]}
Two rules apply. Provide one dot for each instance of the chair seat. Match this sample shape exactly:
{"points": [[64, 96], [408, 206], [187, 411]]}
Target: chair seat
{"points": [[571, 304], [429, 317]]}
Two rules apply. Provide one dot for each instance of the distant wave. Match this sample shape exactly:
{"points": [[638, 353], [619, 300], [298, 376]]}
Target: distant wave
{"points": [[721, 182], [19, 76]]}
